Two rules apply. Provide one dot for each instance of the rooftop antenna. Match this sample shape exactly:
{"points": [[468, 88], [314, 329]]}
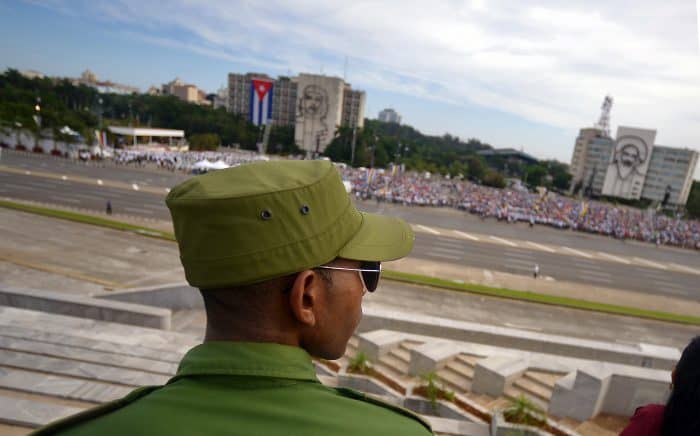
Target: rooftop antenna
{"points": [[345, 70], [604, 120]]}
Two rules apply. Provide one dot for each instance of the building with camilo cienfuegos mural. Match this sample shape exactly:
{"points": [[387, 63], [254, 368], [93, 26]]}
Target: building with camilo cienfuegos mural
{"points": [[631, 166]]}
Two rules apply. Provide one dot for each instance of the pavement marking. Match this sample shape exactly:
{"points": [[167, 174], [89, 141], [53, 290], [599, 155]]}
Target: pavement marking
{"points": [[668, 285], [520, 254], [444, 256], [599, 279], [684, 268], [447, 250], [488, 275], [615, 258], [152, 276], [675, 291], [577, 252], [522, 261], [134, 186], [155, 206], [427, 229], [663, 280], [650, 263], [521, 267], [87, 196], [522, 327], [60, 198], [99, 182], [541, 247], [58, 270], [466, 235], [14, 186], [503, 241], [448, 241], [137, 210], [595, 273]]}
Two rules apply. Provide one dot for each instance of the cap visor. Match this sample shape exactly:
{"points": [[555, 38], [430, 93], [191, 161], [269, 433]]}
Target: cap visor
{"points": [[380, 238]]}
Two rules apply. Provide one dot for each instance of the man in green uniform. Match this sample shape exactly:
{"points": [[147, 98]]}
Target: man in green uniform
{"points": [[282, 258]]}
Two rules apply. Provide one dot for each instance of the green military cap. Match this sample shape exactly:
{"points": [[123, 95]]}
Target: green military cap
{"points": [[264, 220]]}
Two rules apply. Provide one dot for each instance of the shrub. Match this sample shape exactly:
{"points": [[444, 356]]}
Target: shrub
{"points": [[433, 391], [523, 411], [359, 364]]}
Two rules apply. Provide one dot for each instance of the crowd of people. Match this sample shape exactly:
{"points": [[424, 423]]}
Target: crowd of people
{"points": [[513, 205], [182, 161], [510, 205]]}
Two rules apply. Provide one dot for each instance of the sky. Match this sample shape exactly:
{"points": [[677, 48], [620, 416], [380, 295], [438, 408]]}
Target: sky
{"points": [[511, 73]]}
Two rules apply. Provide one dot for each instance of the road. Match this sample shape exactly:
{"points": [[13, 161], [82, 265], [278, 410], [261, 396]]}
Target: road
{"points": [[443, 235], [75, 258]]}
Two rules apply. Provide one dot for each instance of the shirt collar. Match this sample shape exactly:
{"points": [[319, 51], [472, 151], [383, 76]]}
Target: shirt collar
{"points": [[248, 359]]}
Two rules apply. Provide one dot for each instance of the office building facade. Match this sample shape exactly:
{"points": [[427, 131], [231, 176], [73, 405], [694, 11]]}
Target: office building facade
{"points": [[670, 170], [389, 115], [315, 105]]}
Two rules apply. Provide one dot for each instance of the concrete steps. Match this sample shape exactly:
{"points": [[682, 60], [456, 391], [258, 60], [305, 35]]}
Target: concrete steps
{"points": [[513, 392], [453, 380], [54, 365], [546, 379], [464, 370], [468, 359], [498, 404], [533, 388], [401, 354], [393, 365]]}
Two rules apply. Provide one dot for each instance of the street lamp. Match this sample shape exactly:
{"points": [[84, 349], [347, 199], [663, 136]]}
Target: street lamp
{"points": [[37, 120], [37, 108]]}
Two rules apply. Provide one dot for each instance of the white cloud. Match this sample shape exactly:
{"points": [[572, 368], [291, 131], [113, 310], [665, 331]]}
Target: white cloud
{"points": [[548, 61]]}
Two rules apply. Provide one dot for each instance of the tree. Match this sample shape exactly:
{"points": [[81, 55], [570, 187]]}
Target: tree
{"points": [[204, 141], [693, 204], [535, 175], [476, 166], [494, 179]]}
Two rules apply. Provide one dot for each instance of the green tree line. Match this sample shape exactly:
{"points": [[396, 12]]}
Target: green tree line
{"points": [[378, 144]]}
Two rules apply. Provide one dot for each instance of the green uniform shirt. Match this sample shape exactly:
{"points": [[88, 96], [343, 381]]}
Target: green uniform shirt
{"points": [[235, 388]]}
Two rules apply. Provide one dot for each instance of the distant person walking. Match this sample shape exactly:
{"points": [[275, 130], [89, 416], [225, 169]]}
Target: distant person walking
{"points": [[536, 271], [679, 417], [108, 209]]}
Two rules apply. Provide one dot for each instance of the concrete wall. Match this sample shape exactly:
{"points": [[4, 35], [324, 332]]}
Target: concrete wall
{"points": [[642, 355], [86, 307], [179, 296]]}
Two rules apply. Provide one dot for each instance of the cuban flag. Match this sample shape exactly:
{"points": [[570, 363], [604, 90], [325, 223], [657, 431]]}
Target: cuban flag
{"points": [[260, 101]]}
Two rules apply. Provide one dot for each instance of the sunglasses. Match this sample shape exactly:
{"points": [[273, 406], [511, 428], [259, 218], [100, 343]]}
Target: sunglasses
{"points": [[369, 273]]}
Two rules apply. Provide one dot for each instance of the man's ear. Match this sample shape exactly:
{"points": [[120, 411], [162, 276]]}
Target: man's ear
{"points": [[305, 297]]}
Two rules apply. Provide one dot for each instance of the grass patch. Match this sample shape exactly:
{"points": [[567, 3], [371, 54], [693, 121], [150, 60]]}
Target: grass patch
{"points": [[87, 219], [387, 274], [538, 298]]}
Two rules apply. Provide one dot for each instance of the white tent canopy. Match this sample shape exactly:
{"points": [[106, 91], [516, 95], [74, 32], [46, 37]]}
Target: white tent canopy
{"points": [[146, 131], [219, 165], [202, 164]]}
